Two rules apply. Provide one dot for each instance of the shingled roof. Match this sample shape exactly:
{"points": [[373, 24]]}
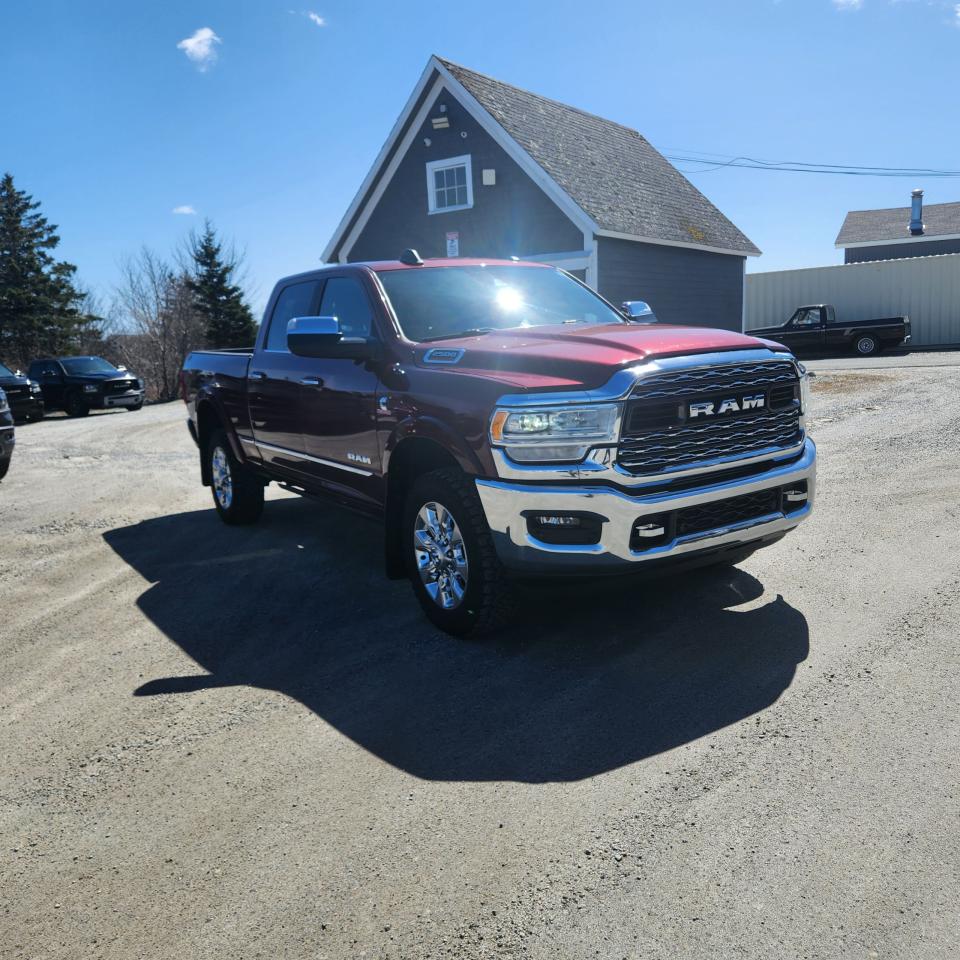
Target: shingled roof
{"points": [[610, 171], [873, 226]]}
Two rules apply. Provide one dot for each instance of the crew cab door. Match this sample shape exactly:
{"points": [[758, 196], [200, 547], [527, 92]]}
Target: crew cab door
{"points": [[49, 374], [339, 399], [804, 330], [274, 381]]}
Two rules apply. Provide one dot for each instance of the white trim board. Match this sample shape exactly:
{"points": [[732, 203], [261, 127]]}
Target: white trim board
{"points": [[923, 238], [464, 160], [381, 156], [446, 81], [379, 179]]}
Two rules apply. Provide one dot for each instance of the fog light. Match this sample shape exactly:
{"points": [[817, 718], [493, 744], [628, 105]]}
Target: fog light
{"points": [[558, 520], [795, 496], [580, 528], [650, 530]]}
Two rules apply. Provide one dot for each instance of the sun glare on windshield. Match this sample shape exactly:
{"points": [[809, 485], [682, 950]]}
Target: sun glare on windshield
{"points": [[509, 299]]}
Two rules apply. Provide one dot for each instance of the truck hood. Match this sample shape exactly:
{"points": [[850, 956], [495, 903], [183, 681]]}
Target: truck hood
{"points": [[577, 356]]}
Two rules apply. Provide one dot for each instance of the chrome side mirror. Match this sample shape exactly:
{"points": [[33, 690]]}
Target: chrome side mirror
{"points": [[322, 337], [638, 310]]}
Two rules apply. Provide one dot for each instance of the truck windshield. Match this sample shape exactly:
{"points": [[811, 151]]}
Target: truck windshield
{"points": [[79, 366], [436, 303]]}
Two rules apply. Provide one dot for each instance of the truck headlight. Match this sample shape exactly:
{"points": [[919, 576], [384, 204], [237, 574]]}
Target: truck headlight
{"points": [[553, 433], [89, 388], [34, 387]]}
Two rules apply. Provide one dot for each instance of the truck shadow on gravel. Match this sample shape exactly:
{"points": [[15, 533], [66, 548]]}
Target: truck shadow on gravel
{"points": [[592, 676]]}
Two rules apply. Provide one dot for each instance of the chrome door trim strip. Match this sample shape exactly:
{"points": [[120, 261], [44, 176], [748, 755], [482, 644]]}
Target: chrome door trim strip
{"points": [[259, 444]]}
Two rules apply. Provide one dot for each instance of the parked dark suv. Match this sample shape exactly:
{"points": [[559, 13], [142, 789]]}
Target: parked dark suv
{"points": [[23, 395], [6, 435], [81, 384]]}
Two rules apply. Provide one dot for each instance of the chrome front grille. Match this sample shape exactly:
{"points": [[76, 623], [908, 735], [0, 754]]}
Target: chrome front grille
{"points": [[709, 380], [659, 436]]}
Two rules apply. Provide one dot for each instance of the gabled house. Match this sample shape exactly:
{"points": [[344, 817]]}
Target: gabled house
{"points": [[897, 232], [475, 167]]}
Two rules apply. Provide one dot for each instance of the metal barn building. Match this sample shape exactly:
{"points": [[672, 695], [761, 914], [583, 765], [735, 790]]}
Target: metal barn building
{"points": [[927, 289]]}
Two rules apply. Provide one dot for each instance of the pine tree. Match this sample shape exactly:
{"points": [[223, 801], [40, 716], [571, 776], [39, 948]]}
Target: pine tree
{"points": [[41, 311], [227, 318]]}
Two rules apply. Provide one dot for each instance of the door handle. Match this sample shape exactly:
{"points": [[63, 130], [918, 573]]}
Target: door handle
{"points": [[257, 375], [311, 382]]}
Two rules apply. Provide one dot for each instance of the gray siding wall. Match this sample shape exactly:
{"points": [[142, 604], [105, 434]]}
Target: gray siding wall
{"points": [[690, 287], [895, 251], [513, 218], [926, 289]]}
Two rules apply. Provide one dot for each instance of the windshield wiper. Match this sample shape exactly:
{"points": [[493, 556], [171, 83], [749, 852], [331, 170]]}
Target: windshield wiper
{"points": [[472, 332]]}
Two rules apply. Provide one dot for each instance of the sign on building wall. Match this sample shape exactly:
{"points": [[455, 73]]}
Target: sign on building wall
{"points": [[453, 244]]}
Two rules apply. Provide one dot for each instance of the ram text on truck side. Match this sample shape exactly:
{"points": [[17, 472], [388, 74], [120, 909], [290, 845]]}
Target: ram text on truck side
{"points": [[504, 421]]}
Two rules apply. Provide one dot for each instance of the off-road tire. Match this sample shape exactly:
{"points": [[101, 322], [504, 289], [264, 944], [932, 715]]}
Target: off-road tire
{"points": [[135, 408], [488, 598], [76, 406], [4, 467], [866, 345], [245, 503]]}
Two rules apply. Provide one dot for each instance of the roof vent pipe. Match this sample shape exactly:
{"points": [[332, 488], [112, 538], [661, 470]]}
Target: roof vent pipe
{"points": [[916, 213]]}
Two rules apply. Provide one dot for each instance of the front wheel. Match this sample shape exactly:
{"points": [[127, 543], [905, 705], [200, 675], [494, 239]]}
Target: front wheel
{"points": [[237, 495], [450, 557], [866, 345], [76, 406], [135, 407]]}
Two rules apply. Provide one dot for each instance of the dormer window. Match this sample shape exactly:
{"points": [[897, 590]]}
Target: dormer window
{"points": [[449, 185]]}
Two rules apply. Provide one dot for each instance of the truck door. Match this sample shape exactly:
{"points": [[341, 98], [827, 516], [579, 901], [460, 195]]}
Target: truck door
{"points": [[833, 335], [273, 385], [338, 401], [49, 374], [805, 330]]}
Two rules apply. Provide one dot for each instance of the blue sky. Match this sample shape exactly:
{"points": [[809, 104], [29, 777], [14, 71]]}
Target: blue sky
{"points": [[113, 122]]}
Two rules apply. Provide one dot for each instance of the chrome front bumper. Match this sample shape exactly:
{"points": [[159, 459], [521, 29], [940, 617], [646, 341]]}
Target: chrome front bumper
{"points": [[507, 506], [132, 398]]}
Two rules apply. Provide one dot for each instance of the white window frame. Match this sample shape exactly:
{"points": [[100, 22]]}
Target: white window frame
{"points": [[432, 167]]}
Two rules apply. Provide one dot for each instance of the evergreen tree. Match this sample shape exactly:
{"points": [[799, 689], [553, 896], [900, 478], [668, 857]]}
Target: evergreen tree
{"points": [[227, 318], [41, 311]]}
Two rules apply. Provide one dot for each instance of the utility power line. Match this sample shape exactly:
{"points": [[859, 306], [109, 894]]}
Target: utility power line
{"points": [[799, 166]]}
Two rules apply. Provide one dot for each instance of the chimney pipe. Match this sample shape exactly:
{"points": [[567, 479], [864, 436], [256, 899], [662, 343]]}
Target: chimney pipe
{"points": [[916, 213]]}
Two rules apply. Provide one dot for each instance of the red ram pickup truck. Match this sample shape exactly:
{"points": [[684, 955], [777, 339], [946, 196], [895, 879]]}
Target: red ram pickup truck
{"points": [[505, 421]]}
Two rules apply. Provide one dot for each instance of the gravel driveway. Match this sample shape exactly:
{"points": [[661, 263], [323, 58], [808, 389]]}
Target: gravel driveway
{"points": [[237, 743]]}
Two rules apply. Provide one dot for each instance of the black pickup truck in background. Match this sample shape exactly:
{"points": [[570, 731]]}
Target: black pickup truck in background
{"points": [[81, 384], [23, 394], [815, 329]]}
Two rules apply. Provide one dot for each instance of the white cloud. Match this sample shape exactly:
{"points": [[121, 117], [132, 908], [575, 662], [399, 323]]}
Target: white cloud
{"points": [[184, 208], [200, 47], [316, 18], [848, 4], [956, 11]]}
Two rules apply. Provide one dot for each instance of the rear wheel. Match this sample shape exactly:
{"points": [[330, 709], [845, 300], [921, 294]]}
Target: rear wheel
{"points": [[866, 345], [4, 467], [237, 494], [450, 557], [76, 406]]}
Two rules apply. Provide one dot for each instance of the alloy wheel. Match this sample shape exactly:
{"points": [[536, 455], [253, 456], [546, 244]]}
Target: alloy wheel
{"points": [[441, 555], [222, 478]]}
